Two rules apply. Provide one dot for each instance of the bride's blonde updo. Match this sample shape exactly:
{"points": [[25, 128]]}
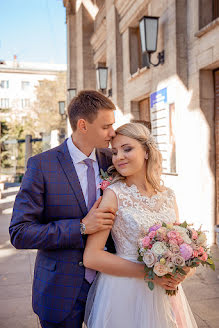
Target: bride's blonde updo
{"points": [[142, 134]]}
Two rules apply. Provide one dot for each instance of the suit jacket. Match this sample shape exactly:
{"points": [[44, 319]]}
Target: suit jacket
{"points": [[46, 216]]}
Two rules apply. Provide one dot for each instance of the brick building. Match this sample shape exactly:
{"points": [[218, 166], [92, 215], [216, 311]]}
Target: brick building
{"points": [[179, 99]]}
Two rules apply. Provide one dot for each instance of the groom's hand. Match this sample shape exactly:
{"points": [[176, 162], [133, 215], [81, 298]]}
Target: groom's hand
{"points": [[99, 219]]}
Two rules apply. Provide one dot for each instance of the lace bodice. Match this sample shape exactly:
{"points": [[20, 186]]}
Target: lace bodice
{"points": [[136, 213]]}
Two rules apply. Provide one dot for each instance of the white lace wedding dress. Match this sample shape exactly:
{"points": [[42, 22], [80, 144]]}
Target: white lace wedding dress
{"points": [[119, 302]]}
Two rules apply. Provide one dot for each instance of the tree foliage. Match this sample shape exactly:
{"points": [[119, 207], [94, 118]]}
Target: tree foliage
{"points": [[45, 108]]}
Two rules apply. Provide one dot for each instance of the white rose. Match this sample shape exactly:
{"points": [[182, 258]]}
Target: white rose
{"points": [[183, 233], [159, 248], [160, 269], [178, 260], [149, 259]]}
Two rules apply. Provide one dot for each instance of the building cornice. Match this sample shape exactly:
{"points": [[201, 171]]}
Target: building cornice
{"points": [[130, 12], [70, 7], [29, 71]]}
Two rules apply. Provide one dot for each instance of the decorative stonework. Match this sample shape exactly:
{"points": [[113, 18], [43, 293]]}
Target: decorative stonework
{"points": [[70, 7], [208, 28]]}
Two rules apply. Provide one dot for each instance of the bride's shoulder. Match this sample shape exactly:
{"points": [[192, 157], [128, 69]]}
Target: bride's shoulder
{"points": [[168, 192]]}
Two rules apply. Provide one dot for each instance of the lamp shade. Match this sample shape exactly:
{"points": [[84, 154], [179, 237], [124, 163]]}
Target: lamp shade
{"points": [[61, 107], [71, 94], [148, 33], [102, 75]]}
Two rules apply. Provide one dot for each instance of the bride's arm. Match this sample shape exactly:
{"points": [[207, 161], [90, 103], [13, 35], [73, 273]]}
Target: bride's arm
{"points": [[96, 258]]}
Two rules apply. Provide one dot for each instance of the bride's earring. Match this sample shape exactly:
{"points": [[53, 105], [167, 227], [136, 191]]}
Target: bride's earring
{"points": [[146, 156]]}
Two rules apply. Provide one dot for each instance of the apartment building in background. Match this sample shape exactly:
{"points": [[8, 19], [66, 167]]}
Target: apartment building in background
{"points": [[18, 81]]}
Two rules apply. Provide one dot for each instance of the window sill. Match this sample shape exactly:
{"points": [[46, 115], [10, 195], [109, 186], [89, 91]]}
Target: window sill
{"points": [[166, 173], [212, 25], [137, 74]]}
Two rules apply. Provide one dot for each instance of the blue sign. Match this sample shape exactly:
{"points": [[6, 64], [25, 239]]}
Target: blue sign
{"points": [[159, 96]]}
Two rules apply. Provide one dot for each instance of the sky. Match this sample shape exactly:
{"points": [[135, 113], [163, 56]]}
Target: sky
{"points": [[34, 30]]}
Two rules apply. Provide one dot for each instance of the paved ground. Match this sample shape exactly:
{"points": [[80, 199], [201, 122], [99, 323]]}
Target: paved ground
{"points": [[16, 274]]}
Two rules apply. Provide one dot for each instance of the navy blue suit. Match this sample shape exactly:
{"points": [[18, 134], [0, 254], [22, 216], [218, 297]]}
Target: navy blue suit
{"points": [[46, 216]]}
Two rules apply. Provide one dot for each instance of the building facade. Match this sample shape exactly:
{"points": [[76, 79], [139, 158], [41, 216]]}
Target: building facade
{"points": [[178, 100], [18, 81]]}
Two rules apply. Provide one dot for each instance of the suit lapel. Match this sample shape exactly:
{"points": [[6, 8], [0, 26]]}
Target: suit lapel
{"points": [[71, 174]]}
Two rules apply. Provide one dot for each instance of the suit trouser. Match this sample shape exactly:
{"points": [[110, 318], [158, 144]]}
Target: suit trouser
{"points": [[76, 317]]}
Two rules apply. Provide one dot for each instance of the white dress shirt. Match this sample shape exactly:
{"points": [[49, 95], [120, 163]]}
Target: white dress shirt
{"points": [[81, 168]]}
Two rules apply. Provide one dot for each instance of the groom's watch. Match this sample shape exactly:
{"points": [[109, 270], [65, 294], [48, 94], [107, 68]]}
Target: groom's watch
{"points": [[82, 228]]}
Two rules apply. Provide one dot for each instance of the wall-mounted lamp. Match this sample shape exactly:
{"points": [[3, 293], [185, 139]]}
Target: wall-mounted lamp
{"points": [[148, 32], [71, 94], [102, 76], [62, 109]]}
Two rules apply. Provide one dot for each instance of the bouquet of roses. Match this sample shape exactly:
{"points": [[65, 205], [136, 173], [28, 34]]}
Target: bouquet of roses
{"points": [[167, 248]]}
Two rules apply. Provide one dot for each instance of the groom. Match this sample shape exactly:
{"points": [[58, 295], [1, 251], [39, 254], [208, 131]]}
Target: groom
{"points": [[57, 206]]}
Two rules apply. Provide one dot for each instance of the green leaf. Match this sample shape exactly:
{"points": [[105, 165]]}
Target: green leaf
{"points": [[212, 266], [164, 224], [150, 285], [184, 224], [182, 271], [210, 261], [140, 259]]}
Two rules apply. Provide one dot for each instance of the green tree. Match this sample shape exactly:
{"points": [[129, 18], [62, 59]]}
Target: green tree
{"points": [[45, 108]]}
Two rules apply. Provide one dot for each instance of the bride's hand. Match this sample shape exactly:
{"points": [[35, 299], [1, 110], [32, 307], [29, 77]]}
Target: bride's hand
{"points": [[168, 283], [181, 277]]}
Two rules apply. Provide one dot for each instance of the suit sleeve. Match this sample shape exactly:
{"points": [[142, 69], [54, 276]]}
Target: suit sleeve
{"points": [[26, 228]]}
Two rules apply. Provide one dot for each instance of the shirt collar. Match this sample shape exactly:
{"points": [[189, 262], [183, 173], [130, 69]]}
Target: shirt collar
{"points": [[77, 155]]}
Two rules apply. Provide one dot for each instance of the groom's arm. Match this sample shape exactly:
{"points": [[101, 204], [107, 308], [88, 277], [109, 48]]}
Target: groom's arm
{"points": [[27, 230], [96, 258]]}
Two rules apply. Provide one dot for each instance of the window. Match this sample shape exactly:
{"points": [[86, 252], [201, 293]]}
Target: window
{"points": [[25, 85], [208, 11], [4, 84], [4, 103], [141, 112], [25, 103], [137, 59]]}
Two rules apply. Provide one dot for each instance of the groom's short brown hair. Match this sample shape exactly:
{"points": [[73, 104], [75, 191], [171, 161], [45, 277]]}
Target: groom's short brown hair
{"points": [[86, 105]]}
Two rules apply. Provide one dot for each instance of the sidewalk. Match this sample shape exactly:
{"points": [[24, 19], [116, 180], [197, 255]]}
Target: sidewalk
{"points": [[16, 275]]}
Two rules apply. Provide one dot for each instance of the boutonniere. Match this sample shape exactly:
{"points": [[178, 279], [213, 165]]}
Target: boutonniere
{"points": [[106, 180]]}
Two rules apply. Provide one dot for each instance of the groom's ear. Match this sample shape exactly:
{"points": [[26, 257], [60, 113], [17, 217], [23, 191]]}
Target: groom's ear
{"points": [[82, 125]]}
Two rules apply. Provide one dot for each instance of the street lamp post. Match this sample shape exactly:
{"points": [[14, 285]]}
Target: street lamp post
{"points": [[148, 33]]}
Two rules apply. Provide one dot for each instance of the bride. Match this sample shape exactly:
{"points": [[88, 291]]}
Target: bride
{"points": [[120, 297]]}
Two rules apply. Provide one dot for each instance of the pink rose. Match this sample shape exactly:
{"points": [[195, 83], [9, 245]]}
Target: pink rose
{"points": [[186, 251], [179, 240], [204, 257], [195, 254], [154, 227], [152, 234], [104, 184], [201, 251], [194, 234], [172, 234], [173, 241], [146, 241]]}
